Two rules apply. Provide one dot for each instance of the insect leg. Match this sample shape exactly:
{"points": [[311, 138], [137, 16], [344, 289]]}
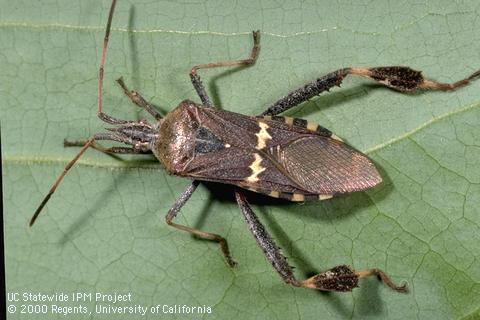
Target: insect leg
{"points": [[339, 278], [99, 147], [175, 209], [400, 78], [270, 249], [197, 82], [139, 100]]}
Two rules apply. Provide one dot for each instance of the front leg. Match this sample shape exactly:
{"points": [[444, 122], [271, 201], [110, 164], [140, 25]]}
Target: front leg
{"points": [[111, 150], [400, 78], [140, 101], [339, 278]]}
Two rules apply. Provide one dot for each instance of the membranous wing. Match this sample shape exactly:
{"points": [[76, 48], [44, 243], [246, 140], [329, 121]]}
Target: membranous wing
{"points": [[325, 166], [282, 157]]}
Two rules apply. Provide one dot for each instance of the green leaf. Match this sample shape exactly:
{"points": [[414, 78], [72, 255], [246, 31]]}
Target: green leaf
{"points": [[104, 230]]}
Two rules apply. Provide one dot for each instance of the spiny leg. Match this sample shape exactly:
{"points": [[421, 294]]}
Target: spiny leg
{"points": [[400, 78], [339, 278], [270, 249], [139, 100], [175, 209], [99, 147], [197, 82]]}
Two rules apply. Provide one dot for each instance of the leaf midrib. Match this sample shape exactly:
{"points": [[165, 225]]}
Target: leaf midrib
{"points": [[20, 24]]}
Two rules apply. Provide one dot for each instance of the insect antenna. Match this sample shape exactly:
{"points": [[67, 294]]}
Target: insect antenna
{"points": [[104, 117], [59, 179]]}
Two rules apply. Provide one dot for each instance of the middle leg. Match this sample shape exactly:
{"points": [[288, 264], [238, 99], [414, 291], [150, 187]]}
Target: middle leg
{"points": [[175, 209]]}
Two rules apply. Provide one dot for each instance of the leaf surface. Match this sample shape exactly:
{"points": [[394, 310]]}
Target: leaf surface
{"points": [[104, 231]]}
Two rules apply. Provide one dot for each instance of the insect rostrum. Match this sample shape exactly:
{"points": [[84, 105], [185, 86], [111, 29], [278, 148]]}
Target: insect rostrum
{"points": [[281, 157]]}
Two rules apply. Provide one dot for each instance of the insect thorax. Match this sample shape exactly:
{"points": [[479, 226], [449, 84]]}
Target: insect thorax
{"points": [[178, 138]]}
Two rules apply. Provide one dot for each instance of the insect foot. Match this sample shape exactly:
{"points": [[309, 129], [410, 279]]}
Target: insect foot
{"points": [[343, 278]]}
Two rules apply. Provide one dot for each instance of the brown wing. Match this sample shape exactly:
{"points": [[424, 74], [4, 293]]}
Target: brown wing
{"points": [[276, 158], [327, 166]]}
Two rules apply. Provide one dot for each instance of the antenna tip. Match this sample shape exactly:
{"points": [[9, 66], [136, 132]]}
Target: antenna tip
{"points": [[34, 218]]}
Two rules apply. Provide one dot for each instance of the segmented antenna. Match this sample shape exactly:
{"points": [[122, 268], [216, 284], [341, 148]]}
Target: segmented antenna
{"points": [[100, 114]]}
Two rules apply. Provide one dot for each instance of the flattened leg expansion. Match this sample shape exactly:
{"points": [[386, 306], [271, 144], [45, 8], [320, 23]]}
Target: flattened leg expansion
{"points": [[340, 278], [400, 78]]}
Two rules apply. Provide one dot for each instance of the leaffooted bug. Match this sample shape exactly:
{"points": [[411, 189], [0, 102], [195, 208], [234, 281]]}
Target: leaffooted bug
{"points": [[281, 157]]}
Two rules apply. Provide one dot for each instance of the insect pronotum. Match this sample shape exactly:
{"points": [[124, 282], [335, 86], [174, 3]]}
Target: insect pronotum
{"points": [[281, 157]]}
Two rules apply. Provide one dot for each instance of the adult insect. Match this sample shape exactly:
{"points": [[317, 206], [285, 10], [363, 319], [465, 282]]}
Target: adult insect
{"points": [[281, 157]]}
